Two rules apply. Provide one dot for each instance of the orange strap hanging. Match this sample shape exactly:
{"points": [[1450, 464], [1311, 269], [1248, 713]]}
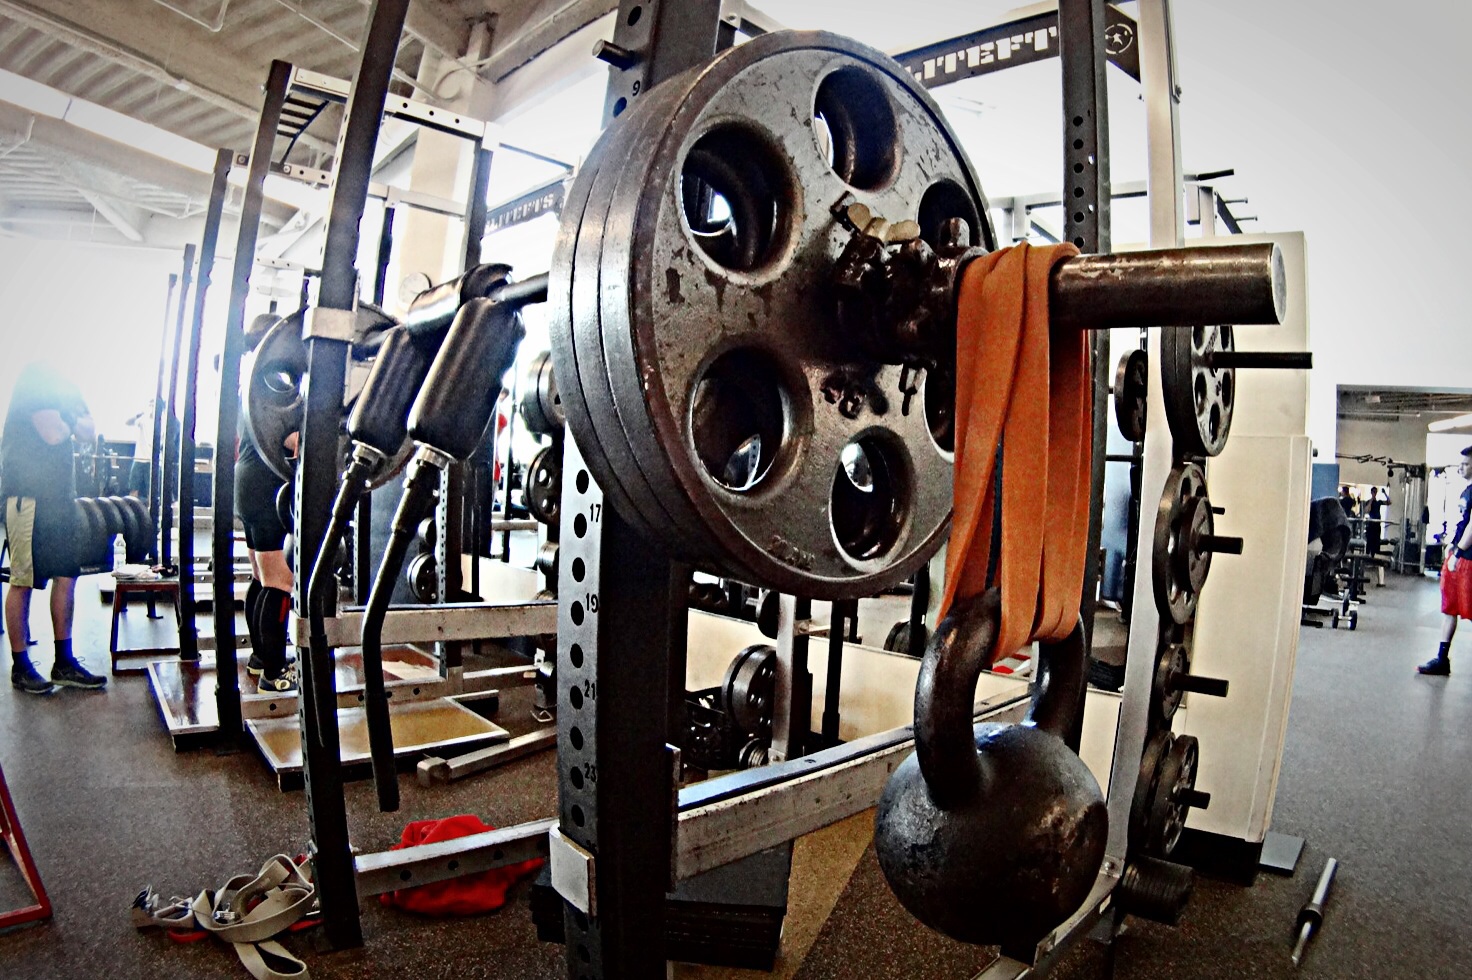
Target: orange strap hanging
{"points": [[1027, 388]]}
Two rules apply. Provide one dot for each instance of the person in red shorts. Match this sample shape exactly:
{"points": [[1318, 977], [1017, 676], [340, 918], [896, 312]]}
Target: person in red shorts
{"points": [[1456, 579]]}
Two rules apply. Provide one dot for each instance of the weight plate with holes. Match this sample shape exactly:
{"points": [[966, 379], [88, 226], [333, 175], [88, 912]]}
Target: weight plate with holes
{"points": [[1168, 803], [541, 406], [1191, 560], [425, 532], [1199, 398], [748, 689], [1171, 663], [1151, 759], [423, 582], [1171, 567], [693, 317], [1131, 388], [273, 400], [543, 490]]}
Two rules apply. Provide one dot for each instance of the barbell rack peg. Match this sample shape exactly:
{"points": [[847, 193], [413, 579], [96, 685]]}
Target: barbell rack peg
{"points": [[1195, 799], [1214, 687], [1221, 545], [1272, 360]]}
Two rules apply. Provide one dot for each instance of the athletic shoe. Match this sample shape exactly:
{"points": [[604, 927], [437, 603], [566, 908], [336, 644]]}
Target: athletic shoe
{"points": [[284, 684], [29, 680], [255, 667], [1437, 666], [70, 673]]}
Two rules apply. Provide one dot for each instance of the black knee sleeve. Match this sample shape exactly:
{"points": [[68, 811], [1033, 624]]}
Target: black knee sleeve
{"points": [[271, 615]]}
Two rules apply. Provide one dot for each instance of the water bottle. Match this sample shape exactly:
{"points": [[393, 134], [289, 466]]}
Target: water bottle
{"points": [[119, 552]]}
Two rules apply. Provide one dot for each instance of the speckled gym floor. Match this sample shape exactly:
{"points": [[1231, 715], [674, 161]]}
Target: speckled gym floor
{"points": [[1377, 772]]}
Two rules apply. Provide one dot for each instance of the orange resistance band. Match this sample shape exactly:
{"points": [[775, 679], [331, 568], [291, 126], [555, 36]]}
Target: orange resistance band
{"points": [[1028, 388]]}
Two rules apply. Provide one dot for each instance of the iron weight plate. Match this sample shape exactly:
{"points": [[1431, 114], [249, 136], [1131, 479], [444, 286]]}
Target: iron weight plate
{"points": [[686, 310], [1174, 597], [1199, 399]]}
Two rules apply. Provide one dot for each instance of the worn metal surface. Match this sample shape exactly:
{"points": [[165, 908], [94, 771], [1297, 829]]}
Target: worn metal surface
{"points": [[993, 834], [705, 352]]}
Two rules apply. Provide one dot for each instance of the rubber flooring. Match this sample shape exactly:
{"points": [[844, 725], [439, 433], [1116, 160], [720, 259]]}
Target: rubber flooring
{"points": [[1377, 772]]}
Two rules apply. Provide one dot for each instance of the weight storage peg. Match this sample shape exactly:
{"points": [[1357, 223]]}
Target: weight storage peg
{"points": [[1173, 679], [992, 833]]}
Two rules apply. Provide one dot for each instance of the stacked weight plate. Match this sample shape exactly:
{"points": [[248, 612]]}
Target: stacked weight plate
{"points": [[696, 349]]}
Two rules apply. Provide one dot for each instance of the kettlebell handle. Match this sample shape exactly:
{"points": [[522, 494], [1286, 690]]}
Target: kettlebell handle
{"points": [[945, 693], [945, 696], [1059, 686]]}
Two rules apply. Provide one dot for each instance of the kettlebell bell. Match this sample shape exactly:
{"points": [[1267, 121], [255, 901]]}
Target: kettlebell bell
{"points": [[992, 834]]}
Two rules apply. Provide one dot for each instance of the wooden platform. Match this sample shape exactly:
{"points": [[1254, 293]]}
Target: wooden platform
{"points": [[440, 726]]}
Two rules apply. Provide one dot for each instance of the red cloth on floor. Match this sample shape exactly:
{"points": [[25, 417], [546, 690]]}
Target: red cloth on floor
{"points": [[468, 895]]}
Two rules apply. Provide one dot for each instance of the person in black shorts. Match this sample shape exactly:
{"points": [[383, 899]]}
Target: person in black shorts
{"points": [[1456, 579], [268, 598], [38, 480]]}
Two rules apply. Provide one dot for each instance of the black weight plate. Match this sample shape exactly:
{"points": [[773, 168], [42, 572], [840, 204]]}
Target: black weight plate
{"points": [[286, 505], [748, 689], [1173, 594], [1131, 388], [1168, 802], [131, 527], [90, 534], [422, 580], [112, 515], [1140, 804], [1171, 663], [543, 491]]}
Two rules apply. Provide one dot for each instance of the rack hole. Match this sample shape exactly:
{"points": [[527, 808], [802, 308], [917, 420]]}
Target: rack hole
{"points": [[578, 569], [575, 654], [738, 418], [620, 106], [854, 124], [575, 696], [581, 481], [576, 737], [577, 815], [634, 15], [577, 613]]}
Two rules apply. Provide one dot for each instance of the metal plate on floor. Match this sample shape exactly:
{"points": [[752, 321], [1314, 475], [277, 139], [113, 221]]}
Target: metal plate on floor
{"points": [[418, 727]]}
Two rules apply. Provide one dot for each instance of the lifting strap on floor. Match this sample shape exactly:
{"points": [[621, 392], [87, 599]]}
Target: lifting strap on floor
{"points": [[1027, 388], [246, 912]]}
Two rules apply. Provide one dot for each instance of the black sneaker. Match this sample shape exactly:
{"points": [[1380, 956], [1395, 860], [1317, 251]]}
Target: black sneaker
{"points": [[70, 673], [256, 667], [285, 683], [29, 680], [1438, 666]]}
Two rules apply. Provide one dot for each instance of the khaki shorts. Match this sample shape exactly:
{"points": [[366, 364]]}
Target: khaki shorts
{"points": [[40, 536]]}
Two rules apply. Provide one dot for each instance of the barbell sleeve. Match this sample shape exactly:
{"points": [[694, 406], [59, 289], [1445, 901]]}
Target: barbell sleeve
{"points": [[1171, 287]]}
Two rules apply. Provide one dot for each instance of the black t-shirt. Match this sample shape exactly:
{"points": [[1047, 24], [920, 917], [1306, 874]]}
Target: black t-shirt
{"points": [[29, 466], [1462, 522]]}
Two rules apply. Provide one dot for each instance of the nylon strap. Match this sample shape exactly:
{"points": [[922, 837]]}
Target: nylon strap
{"points": [[1027, 388]]}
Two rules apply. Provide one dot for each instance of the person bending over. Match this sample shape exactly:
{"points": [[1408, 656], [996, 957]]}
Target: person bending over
{"points": [[1456, 579], [38, 480]]}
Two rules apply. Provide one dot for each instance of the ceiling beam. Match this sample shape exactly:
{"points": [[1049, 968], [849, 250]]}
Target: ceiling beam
{"points": [[131, 33], [547, 25], [121, 217], [438, 25]]}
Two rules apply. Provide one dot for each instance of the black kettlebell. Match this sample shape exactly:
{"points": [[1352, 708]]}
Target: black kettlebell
{"points": [[992, 835]]}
